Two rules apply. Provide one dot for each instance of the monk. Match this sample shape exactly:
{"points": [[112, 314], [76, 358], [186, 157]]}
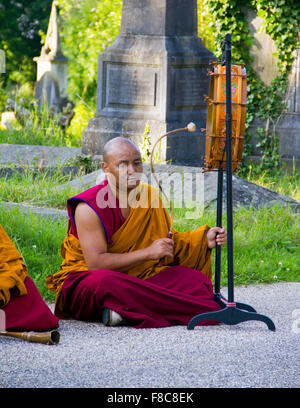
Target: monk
{"points": [[119, 266], [24, 308]]}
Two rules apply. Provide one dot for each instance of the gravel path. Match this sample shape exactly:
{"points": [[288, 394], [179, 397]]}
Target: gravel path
{"points": [[91, 355]]}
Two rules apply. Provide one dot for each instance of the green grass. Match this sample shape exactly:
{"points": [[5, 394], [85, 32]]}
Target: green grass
{"points": [[43, 189], [37, 189], [22, 136], [48, 134], [39, 240], [39, 127], [266, 244], [266, 241], [280, 181]]}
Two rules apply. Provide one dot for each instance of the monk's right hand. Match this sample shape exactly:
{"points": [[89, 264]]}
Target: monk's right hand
{"points": [[160, 248]]}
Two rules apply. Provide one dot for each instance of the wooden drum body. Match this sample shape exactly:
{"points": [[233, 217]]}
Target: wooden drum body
{"points": [[215, 147]]}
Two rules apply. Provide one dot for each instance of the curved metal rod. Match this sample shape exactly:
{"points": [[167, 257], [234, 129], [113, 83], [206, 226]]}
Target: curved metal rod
{"points": [[191, 127]]}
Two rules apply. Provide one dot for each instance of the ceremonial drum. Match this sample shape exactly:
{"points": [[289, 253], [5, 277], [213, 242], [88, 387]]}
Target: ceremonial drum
{"points": [[215, 146]]}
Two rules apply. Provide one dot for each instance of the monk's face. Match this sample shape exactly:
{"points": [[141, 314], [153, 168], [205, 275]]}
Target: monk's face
{"points": [[124, 165]]}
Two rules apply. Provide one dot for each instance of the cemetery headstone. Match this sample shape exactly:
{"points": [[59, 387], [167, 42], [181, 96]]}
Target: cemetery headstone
{"points": [[52, 68]]}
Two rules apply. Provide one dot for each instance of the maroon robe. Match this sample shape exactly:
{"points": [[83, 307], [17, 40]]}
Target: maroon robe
{"points": [[169, 298], [29, 312]]}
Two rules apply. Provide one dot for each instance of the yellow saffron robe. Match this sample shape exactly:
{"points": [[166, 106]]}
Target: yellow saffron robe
{"points": [[147, 221], [12, 270]]}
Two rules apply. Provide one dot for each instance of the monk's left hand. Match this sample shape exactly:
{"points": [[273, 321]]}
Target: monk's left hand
{"points": [[216, 235]]}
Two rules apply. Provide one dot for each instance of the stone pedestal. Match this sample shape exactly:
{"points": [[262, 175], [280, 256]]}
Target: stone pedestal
{"points": [[155, 72]]}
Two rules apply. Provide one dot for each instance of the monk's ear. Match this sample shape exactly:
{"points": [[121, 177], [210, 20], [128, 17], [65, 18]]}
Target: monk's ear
{"points": [[104, 167]]}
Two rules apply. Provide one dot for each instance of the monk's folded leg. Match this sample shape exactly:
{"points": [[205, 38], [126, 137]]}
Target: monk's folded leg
{"points": [[29, 311], [171, 297], [23, 307]]}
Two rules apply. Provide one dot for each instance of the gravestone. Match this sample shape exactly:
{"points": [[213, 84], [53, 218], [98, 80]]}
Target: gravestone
{"points": [[287, 128], [263, 49], [52, 68], [155, 72]]}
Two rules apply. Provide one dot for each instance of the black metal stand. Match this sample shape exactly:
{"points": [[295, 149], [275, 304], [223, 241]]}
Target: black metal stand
{"points": [[232, 312]]}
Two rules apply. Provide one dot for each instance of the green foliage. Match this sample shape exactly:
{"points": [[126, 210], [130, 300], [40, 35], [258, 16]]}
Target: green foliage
{"points": [[86, 28], [3, 98], [281, 21], [79, 122], [226, 16], [206, 25], [145, 145], [21, 22]]}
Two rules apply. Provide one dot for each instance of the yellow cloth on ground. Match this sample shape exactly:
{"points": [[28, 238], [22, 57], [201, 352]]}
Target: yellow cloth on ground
{"points": [[146, 223], [12, 270]]}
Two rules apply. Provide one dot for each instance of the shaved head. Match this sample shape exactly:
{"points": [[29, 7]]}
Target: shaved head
{"points": [[122, 162], [115, 146]]}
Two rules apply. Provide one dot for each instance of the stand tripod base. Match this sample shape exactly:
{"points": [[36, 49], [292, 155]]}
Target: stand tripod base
{"points": [[231, 313], [219, 298]]}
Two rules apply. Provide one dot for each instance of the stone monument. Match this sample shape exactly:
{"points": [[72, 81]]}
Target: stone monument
{"points": [[263, 49], [52, 68], [154, 72], [287, 128]]}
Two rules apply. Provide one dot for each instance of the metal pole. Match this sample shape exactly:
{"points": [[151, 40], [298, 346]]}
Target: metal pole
{"points": [[219, 224], [229, 168]]}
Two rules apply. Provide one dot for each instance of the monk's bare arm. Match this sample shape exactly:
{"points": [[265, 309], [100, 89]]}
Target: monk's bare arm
{"points": [[93, 243]]}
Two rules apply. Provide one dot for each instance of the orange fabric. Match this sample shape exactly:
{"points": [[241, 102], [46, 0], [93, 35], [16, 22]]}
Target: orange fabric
{"points": [[145, 223], [12, 270]]}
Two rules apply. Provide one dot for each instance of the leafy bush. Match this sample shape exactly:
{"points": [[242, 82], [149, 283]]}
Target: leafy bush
{"points": [[79, 122], [3, 99], [86, 29], [21, 22]]}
